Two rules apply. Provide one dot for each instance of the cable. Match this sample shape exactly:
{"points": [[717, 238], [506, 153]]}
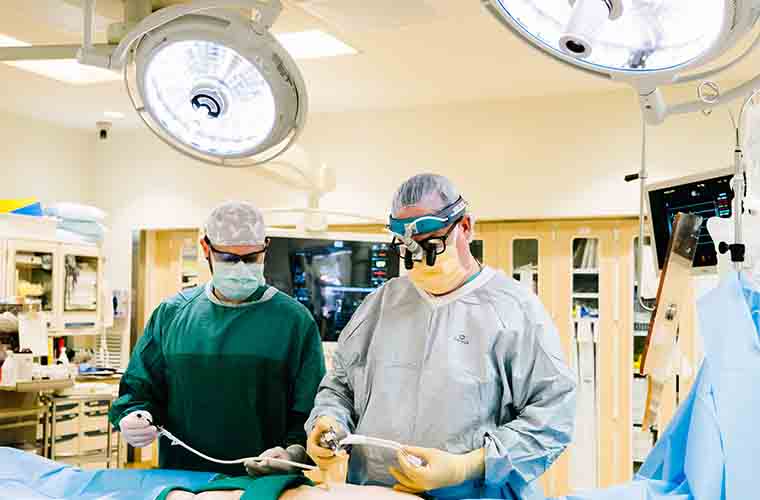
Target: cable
{"points": [[176, 441]]}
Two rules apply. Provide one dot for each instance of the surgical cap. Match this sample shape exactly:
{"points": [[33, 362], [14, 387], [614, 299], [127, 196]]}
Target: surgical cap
{"points": [[422, 189], [236, 223]]}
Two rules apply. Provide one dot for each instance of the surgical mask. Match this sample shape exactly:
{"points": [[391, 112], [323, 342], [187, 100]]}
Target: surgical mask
{"points": [[237, 281], [443, 277]]}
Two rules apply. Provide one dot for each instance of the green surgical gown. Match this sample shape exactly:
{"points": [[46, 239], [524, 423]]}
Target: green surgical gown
{"points": [[231, 382]]}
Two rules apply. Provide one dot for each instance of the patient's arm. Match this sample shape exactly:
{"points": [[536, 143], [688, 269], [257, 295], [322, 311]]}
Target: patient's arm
{"points": [[332, 492]]}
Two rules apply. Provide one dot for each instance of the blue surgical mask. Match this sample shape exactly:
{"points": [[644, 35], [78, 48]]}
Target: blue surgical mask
{"points": [[237, 281]]}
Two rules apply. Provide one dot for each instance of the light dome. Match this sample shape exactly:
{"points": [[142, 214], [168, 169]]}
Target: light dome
{"points": [[219, 88], [632, 37]]}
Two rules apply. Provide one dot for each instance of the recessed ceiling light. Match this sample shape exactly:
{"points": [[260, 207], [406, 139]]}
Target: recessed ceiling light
{"points": [[113, 115], [314, 44], [64, 70]]}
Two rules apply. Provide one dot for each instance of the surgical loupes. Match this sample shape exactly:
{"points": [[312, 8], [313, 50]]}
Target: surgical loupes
{"points": [[415, 251]]}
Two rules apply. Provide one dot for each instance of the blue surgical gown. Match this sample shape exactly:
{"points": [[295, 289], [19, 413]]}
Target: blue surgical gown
{"points": [[479, 368], [710, 449]]}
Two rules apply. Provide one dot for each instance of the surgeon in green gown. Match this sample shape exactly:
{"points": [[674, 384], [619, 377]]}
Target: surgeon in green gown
{"points": [[230, 368]]}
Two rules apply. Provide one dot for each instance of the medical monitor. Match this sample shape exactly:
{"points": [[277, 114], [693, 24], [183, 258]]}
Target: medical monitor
{"points": [[332, 274], [708, 195]]}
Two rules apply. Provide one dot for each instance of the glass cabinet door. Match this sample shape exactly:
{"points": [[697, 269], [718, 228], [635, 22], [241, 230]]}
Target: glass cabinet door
{"points": [[34, 277], [584, 469], [585, 278], [525, 262], [80, 283]]}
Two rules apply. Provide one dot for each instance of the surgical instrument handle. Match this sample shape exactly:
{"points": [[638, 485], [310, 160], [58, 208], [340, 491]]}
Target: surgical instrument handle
{"points": [[358, 440], [329, 440]]}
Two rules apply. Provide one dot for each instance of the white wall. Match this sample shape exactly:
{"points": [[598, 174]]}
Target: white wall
{"points": [[532, 158], [44, 161], [559, 157], [144, 184]]}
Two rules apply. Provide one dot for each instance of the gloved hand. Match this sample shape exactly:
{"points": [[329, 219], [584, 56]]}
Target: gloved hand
{"points": [[137, 429], [323, 457], [294, 453], [441, 469]]}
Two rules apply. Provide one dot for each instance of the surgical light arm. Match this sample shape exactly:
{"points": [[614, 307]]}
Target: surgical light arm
{"points": [[655, 109], [113, 57], [267, 14]]}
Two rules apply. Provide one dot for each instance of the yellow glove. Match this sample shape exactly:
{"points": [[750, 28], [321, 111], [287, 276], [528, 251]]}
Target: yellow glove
{"points": [[441, 469], [323, 457]]}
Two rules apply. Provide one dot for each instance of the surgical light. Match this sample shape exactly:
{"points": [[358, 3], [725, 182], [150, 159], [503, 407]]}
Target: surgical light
{"points": [[218, 87], [648, 43], [211, 82], [643, 35], [206, 95]]}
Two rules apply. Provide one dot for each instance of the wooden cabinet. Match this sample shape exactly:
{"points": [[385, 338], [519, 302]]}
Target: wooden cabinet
{"points": [[584, 273]]}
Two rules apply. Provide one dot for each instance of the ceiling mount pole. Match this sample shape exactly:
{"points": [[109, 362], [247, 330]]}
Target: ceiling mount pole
{"points": [[134, 12]]}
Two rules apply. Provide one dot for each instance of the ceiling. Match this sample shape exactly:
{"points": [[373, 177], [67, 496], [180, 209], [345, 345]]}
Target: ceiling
{"points": [[412, 53]]}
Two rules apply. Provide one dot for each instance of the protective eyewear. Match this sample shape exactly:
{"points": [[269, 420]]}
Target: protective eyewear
{"points": [[429, 248], [233, 258]]}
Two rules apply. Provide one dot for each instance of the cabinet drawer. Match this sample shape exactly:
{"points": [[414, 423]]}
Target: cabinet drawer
{"points": [[96, 420], [66, 445], [66, 408], [66, 425], [96, 405], [94, 440]]}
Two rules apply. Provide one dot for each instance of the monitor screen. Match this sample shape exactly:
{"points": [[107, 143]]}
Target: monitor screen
{"points": [[330, 277], [476, 249], [710, 197]]}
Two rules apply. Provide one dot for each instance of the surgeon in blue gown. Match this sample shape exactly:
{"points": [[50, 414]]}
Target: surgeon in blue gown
{"points": [[456, 358]]}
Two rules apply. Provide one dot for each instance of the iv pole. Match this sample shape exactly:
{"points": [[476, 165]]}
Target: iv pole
{"points": [[738, 248], [663, 329]]}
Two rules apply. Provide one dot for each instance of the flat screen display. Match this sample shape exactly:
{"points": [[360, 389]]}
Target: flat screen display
{"points": [[330, 277], [711, 197]]}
